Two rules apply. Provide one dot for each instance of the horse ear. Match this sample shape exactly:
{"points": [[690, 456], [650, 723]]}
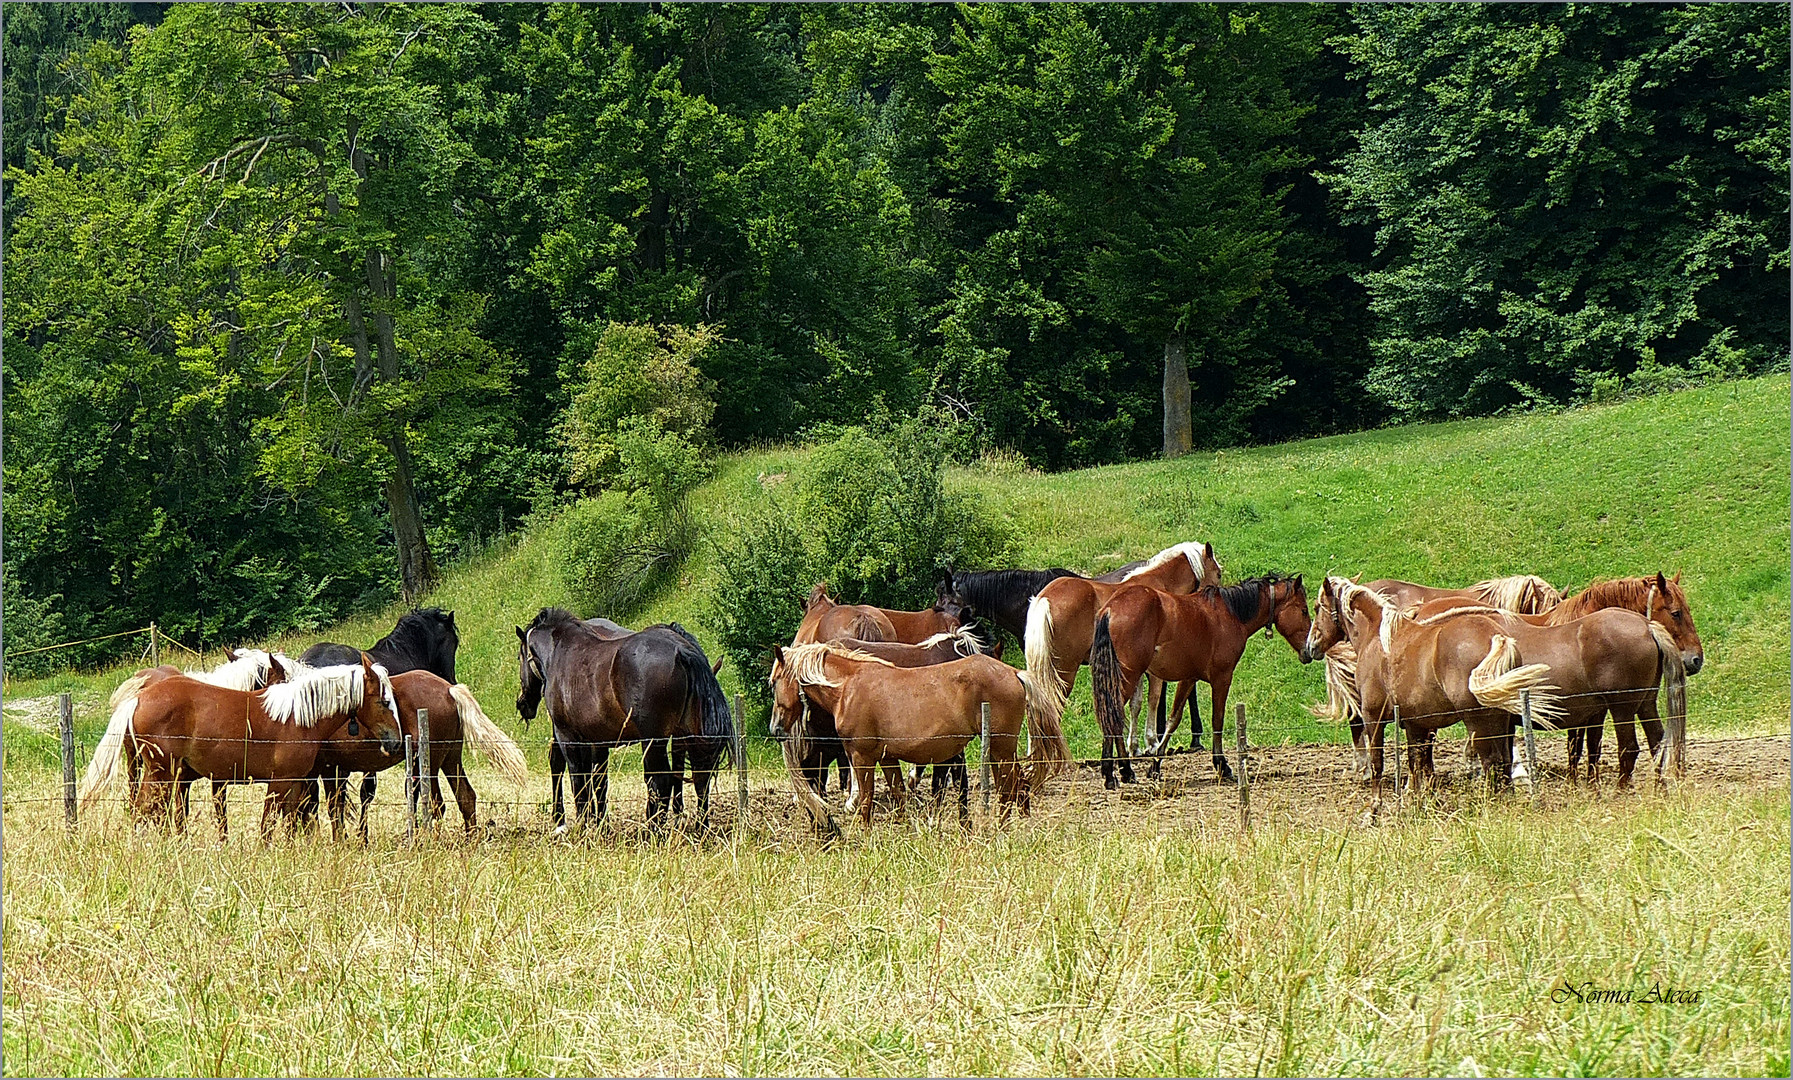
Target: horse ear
{"points": [[521, 636], [1677, 578], [778, 654], [716, 668], [1661, 582]]}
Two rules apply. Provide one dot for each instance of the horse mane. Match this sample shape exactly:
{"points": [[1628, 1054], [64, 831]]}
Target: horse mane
{"points": [[1243, 597], [1193, 550], [985, 590], [1632, 592], [1526, 594], [962, 639], [316, 693], [246, 672], [553, 617], [807, 663], [1347, 592]]}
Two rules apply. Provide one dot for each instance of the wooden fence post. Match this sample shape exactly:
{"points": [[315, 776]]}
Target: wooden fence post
{"points": [[425, 773], [1244, 768], [410, 788], [740, 762], [984, 754], [155, 648], [66, 709], [1531, 744]]}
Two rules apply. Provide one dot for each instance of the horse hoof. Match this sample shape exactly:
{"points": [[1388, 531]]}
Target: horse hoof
{"points": [[1110, 783]]}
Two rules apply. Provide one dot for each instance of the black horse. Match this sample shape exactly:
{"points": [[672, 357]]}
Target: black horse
{"points": [[655, 686], [423, 640]]}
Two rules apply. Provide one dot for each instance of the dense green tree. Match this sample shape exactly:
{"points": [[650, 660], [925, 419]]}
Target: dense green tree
{"points": [[1566, 193]]}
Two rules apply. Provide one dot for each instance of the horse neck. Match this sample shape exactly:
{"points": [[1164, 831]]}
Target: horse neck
{"points": [[1175, 576], [1632, 596]]}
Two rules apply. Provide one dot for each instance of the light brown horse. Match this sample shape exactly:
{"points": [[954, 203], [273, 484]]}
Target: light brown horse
{"points": [[1525, 593], [1061, 619], [1659, 599], [824, 619], [456, 720], [1198, 636], [885, 714], [1472, 661], [181, 725], [940, 649]]}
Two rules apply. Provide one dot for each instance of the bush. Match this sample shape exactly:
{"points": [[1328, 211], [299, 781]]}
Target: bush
{"points": [[645, 374], [613, 552], [868, 514]]}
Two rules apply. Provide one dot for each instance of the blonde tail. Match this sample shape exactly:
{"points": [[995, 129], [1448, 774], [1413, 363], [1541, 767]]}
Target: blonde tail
{"points": [[1051, 753], [108, 754], [1498, 684], [486, 737], [127, 690], [1041, 674], [1674, 697]]}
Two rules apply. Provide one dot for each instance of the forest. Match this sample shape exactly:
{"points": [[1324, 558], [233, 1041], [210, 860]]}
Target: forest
{"points": [[305, 302]]}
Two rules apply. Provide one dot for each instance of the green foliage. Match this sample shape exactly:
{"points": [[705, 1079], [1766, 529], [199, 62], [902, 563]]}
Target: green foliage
{"points": [[869, 515], [1564, 197], [650, 379]]}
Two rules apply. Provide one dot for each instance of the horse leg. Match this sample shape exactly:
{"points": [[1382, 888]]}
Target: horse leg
{"points": [[678, 755], [600, 771], [703, 773], [899, 791], [1220, 685], [864, 776], [1576, 737], [463, 793], [557, 763], [220, 809], [1625, 728], [1108, 755], [335, 800], [579, 781], [369, 786], [659, 782], [1195, 715]]}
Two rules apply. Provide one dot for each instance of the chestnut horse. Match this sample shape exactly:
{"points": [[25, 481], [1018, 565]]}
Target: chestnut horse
{"points": [[939, 649], [1659, 599], [456, 720], [1198, 636], [1465, 664], [1061, 620], [885, 714], [273, 735]]}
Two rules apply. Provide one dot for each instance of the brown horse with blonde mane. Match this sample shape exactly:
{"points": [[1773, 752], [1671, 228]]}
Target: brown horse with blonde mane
{"points": [[1474, 663], [1659, 599], [1061, 619], [180, 725], [885, 714], [1198, 636]]}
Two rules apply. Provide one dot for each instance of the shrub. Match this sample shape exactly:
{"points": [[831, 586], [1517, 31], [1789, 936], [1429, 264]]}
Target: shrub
{"points": [[868, 514], [615, 550], [646, 374]]}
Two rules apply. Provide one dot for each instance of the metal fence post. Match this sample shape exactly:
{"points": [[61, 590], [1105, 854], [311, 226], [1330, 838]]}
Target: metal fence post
{"points": [[1244, 768], [1531, 744], [425, 774], [66, 708], [1397, 755], [740, 762], [410, 788], [984, 755]]}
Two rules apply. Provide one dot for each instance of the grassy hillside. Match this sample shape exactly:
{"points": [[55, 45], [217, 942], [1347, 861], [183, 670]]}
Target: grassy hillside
{"points": [[1695, 482]]}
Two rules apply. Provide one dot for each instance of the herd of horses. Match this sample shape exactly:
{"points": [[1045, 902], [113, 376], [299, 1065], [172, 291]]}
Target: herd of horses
{"points": [[865, 689]]}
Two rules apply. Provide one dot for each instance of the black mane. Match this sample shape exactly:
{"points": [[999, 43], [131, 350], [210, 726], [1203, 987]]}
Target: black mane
{"points": [[1244, 598], [553, 616], [1001, 596]]}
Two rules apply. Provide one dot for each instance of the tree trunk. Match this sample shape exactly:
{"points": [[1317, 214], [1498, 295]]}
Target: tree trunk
{"points": [[416, 567], [1178, 430]]}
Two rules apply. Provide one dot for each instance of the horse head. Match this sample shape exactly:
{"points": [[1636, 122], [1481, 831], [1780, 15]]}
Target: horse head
{"points": [[788, 701], [1668, 606], [1329, 625], [530, 679], [378, 713], [1288, 597]]}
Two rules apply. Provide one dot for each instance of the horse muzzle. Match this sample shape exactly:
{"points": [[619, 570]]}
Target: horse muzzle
{"points": [[392, 745], [1693, 662]]}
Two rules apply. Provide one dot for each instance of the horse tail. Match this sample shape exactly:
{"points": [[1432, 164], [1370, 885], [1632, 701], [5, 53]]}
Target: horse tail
{"points": [[1498, 683], [1105, 679], [488, 738], [1051, 753], [128, 690], [715, 722], [1037, 643], [806, 795], [1674, 686], [109, 753], [1342, 701]]}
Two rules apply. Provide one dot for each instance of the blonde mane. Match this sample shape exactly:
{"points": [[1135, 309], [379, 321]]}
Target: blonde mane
{"points": [[1347, 592], [321, 692], [965, 643], [1193, 550], [808, 663], [249, 670], [1526, 594]]}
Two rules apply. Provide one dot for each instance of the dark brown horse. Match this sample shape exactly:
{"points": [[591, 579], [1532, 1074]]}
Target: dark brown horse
{"points": [[1199, 636], [602, 693], [180, 725], [1061, 620]]}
